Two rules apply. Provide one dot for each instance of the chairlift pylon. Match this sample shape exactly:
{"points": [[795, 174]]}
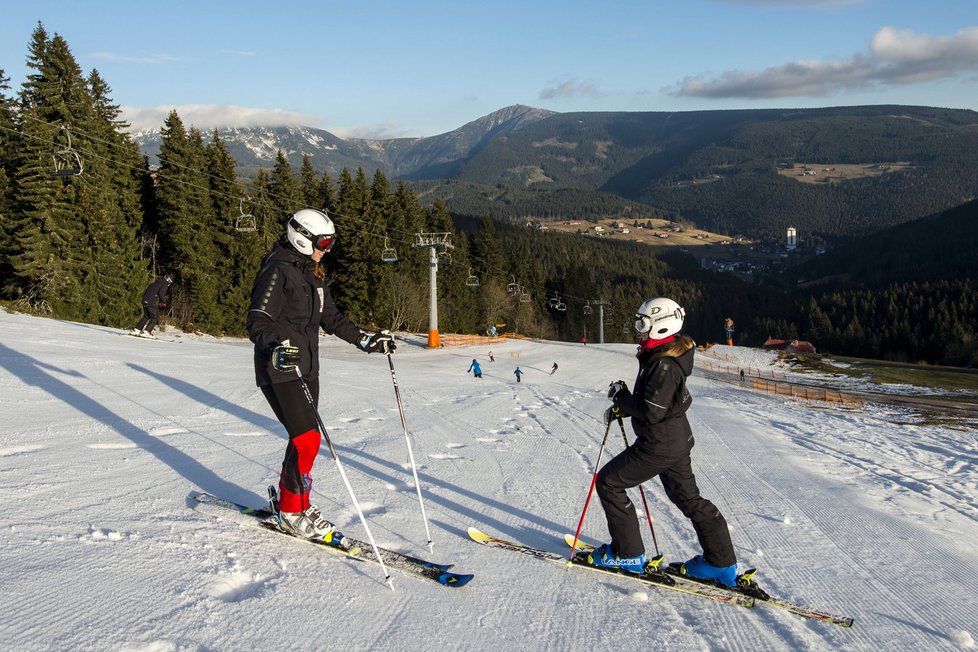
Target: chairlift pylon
{"points": [[245, 222], [67, 163]]}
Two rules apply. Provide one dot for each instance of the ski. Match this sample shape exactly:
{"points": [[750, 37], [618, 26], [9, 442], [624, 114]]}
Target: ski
{"points": [[655, 579], [359, 550], [746, 586]]}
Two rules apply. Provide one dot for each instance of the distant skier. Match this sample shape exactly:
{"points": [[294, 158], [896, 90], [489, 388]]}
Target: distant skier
{"points": [[662, 447], [553, 369], [154, 299], [491, 359], [584, 340], [475, 368], [518, 373], [741, 375]]}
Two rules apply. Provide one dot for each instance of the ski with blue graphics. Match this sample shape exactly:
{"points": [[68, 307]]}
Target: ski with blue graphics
{"points": [[745, 586], [655, 578], [359, 550]]}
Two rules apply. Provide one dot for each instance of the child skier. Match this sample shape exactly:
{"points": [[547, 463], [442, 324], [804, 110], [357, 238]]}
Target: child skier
{"points": [[475, 368], [518, 374], [662, 447]]}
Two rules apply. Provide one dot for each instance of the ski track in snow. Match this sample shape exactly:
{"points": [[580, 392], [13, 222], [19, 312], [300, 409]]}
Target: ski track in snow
{"points": [[105, 438]]}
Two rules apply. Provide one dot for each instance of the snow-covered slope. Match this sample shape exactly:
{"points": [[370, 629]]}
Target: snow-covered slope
{"points": [[104, 438]]}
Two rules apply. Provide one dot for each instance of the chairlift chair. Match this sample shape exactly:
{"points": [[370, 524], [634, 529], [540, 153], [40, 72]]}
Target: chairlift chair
{"points": [[446, 257], [587, 309], [472, 280], [245, 222], [389, 255], [524, 296], [512, 288], [67, 163]]}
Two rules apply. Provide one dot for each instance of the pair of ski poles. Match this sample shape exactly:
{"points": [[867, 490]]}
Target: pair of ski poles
{"points": [[346, 480], [594, 479]]}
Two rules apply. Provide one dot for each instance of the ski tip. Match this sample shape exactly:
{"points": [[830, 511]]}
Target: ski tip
{"points": [[478, 535]]}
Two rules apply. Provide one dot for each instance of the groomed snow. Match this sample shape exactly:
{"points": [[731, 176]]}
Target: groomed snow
{"points": [[104, 438]]}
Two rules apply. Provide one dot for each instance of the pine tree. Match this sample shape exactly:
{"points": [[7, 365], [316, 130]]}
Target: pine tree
{"points": [[355, 283], [188, 227], [9, 141]]}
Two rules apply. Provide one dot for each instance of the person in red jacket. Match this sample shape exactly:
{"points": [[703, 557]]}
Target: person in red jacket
{"points": [[657, 407], [290, 303]]}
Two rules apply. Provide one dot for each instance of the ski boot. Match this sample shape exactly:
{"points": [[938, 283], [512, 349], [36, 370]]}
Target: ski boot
{"points": [[307, 524], [699, 569], [603, 557]]}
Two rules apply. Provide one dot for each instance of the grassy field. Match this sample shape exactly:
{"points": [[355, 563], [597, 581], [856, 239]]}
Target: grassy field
{"points": [[836, 172], [955, 380]]}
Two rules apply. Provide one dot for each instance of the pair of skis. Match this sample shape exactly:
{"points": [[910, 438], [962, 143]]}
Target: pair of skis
{"points": [[746, 594], [358, 550]]}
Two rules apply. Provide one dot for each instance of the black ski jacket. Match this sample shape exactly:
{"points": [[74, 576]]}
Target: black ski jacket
{"points": [[658, 401], [288, 306], [155, 294]]}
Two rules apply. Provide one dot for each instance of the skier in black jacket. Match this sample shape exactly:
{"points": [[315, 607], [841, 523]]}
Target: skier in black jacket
{"points": [[290, 302], [154, 298], [657, 408]]}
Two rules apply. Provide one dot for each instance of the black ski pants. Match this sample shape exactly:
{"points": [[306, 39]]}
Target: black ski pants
{"points": [[638, 464], [151, 316], [293, 410]]}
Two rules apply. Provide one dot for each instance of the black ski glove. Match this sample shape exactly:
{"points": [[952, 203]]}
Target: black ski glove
{"points": [[285, 357], [382, 341], [615, 388], [611, 414]]}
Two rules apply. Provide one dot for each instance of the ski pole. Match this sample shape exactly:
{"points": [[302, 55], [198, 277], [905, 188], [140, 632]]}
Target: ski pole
{"points": [[648, 514], [346, 481], [407, 438], [594, 479]]}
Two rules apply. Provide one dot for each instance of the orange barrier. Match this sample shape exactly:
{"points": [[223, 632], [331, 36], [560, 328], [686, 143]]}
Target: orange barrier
{"points": [[748, 371], [459, 339], [805, 392]]}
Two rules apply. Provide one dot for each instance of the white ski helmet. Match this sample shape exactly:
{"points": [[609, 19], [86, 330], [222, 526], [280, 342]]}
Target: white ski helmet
{"points": [[310, 228], [658, 318]]}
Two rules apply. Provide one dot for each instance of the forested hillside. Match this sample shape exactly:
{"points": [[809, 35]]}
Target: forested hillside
{"points": [[719, 169]]}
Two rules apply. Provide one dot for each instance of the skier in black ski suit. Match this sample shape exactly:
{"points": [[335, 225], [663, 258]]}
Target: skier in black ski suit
{"points": [[290, 302], [657, 408], [154, 298]]}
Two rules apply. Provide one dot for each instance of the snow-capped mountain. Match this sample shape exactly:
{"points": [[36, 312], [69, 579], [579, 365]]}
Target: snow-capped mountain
{"points": [[398, 157]]}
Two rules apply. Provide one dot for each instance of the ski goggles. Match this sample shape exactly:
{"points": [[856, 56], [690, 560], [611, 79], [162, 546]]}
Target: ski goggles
{"points": [[322, 242]]}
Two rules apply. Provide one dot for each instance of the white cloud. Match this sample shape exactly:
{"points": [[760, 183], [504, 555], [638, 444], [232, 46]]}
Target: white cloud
{"points": [[568, 88], [152, 58], [209, 116], [895, 57]]}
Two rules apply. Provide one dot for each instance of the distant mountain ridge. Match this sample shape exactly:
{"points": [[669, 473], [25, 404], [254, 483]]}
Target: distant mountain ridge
{"points": [[721, 169], [409, 158]]}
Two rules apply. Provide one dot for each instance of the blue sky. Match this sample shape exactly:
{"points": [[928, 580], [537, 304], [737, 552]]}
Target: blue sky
{"points": [[398, 68]]}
